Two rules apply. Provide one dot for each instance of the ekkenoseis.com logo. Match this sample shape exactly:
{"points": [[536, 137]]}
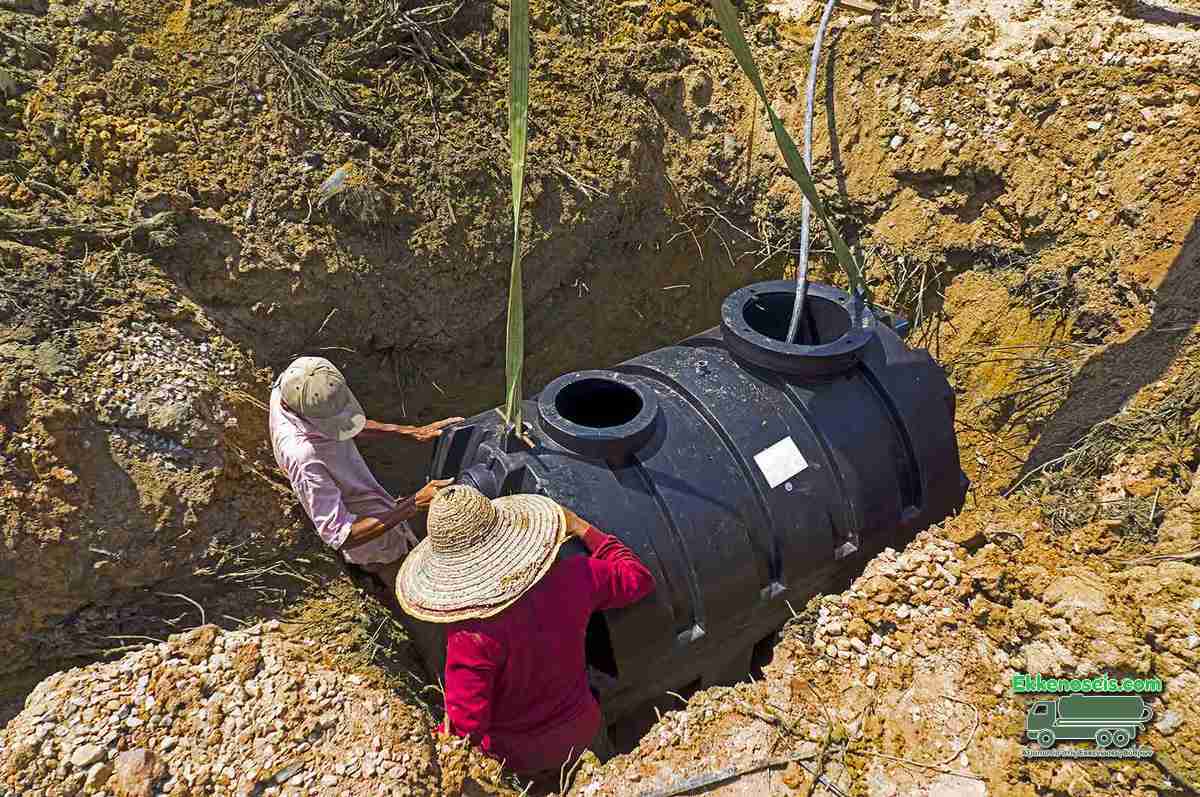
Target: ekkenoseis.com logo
{"points": [[1094, 710]]}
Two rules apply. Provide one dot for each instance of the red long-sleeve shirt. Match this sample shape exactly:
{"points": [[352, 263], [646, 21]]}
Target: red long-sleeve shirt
{"points": [[517, 683]]}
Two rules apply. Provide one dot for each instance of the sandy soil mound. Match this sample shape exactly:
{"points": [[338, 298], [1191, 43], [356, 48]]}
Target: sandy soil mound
{"points": [[192, 193]]}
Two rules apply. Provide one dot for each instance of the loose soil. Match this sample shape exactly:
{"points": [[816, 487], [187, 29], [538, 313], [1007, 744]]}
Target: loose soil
{"points": [[1019, 175]]}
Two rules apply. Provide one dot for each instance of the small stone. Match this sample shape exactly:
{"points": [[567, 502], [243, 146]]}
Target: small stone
{"points": [[1094, 126], [872, 679], [285, 774], [74, 784], [87, 754], [1169, 722], [97, 776], [896, 142], [1045, 39], [1128, 136]]}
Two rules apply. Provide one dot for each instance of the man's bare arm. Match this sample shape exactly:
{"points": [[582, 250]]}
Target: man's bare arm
{"points": [[421, 434], [372, 527]]}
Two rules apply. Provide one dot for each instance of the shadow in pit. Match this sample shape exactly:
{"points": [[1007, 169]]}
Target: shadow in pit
{"points": [[1110, 379], [1161, 16], [835, 151]]}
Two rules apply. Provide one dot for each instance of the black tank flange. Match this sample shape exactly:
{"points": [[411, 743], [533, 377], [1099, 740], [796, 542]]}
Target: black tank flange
{"points": [[754, 322], [601, 414]]}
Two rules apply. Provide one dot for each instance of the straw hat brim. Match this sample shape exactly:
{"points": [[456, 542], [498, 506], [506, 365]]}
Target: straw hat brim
{"points": [[485, 580]]}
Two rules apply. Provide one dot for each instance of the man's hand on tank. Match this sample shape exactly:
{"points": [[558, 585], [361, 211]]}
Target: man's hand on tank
{"points": [[576, 526], [425, 495], [432, 431]]}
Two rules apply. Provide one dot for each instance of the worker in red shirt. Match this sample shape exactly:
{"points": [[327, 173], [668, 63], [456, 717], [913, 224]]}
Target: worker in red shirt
{"points": [[516, 678]]}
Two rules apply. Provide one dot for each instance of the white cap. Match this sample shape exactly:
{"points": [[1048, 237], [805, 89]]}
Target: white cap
{"points": [[314, 389]]}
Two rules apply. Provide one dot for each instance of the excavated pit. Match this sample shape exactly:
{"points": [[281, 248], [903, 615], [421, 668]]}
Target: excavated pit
{"points": [[749, 475], [1021, 179]]}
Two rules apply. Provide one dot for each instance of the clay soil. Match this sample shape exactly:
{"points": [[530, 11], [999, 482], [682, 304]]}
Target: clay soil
{"points": [[191, 193]]}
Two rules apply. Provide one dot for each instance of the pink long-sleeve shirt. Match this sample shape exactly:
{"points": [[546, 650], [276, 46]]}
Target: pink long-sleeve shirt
{"points": [[334, 485], [517, 683]]}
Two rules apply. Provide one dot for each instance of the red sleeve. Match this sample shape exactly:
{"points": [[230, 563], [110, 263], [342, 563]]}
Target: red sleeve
{"points": [[618, 577], [472, 661]]}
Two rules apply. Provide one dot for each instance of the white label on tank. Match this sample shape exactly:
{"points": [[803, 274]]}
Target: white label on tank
{"points": [[780, 462]]}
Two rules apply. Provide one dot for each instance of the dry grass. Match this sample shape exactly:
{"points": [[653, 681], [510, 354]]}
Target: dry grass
{"points": [[399, 34], [342, 624], [914, 288], [307, 91], [1066, 487], [1043, 373], [1169, 424]]}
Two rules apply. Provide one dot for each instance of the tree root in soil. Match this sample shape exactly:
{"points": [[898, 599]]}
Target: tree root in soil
{"points": [[157, 229]]}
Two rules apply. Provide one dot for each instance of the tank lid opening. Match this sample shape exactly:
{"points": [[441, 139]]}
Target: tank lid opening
{"points": [[598, 403], [600, 414], [832, 332], [769, 314]]}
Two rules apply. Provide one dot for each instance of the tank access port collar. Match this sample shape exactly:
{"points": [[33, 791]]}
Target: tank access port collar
{"points": [[601, 414], [754, 322]]}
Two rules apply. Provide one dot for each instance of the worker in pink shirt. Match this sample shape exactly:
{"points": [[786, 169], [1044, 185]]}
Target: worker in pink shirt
{"points": [[516, 674], [314, 420]]}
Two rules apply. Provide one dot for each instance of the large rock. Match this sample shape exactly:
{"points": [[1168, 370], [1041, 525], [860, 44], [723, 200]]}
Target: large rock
{"points": [[1071, 594], [98, 776]]}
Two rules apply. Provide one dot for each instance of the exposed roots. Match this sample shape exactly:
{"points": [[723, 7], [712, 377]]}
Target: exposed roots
{"points": [[396, 34], [307, 91]]}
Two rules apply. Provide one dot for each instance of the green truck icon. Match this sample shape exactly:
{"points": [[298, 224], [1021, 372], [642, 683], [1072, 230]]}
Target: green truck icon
{"points": [[1112, 720]]}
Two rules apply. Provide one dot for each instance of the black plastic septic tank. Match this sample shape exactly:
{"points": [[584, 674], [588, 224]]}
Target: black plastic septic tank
{"points": [[747, 473]]}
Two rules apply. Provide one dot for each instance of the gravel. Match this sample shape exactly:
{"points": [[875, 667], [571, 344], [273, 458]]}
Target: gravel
{"points": [[175, 719]]}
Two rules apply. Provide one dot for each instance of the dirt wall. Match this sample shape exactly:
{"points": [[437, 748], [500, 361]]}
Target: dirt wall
{"points": [[1019, 176]]}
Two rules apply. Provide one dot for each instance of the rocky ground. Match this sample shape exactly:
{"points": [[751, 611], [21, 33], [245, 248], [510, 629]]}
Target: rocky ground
{"points": [[192, 193]]}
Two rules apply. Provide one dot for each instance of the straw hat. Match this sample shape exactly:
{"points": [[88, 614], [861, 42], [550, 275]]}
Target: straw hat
{"points": [[480, 556], [314, 389]]}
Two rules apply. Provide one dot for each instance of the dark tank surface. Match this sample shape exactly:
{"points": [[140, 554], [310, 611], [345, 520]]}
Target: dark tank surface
{"points": [[748, 474]]}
